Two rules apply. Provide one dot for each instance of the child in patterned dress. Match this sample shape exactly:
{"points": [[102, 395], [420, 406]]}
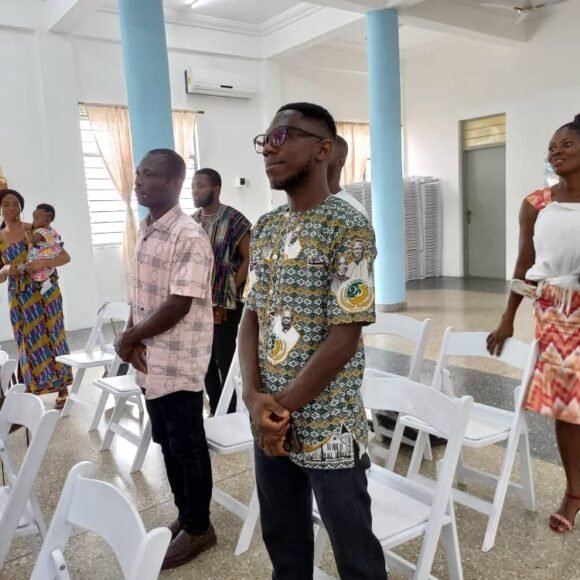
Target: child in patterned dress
{"points": [[44, 243]]}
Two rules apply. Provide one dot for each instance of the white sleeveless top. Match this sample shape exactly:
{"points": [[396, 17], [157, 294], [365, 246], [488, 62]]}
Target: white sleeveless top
{"points": [[557, 245]]}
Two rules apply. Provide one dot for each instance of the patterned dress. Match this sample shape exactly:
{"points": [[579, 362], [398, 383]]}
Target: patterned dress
{"points": [[38, 325], [309, 271], [555, 386]]}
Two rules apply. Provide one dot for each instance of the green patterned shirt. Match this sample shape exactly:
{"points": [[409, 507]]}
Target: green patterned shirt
{"points": [[311, 270]]}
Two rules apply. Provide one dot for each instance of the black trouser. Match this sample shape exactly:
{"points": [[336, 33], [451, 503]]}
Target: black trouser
{"points": [[222, 353], [177, 425], [285, 494]]}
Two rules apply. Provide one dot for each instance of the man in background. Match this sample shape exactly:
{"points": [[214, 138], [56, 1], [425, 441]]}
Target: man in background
{"points": [[229, 234], [335, 165]]}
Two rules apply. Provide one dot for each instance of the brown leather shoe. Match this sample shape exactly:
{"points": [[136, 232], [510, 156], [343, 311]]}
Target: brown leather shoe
{"points": [[185, 547], [175, 527]]}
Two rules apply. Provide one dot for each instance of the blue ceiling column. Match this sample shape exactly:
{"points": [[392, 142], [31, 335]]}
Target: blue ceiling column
{"points": [[147, 77], [386, 156]]}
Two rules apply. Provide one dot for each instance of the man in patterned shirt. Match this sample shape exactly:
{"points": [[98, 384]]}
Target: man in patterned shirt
{"points": [[302, 357], [168, 341], [228, 231]]}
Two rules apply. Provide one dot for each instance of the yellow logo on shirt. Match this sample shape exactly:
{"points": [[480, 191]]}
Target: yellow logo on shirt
{"points": [[355, 296]]}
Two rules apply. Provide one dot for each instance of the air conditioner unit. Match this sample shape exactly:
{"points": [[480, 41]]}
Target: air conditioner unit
{"points": [[217, 84]]}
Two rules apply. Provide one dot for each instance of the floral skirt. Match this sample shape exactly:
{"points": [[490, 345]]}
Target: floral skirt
{"points": [[555, 387]]}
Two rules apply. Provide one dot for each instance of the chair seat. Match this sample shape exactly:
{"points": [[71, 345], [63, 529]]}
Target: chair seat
{"points": [[228, 433], [86, 360], [394, 512], [487, 425], [123, 385], [25, 520]]}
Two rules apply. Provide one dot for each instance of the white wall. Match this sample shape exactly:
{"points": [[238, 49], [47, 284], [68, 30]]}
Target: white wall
{"points": [[43, 79], [535, 84], [40, 152]]}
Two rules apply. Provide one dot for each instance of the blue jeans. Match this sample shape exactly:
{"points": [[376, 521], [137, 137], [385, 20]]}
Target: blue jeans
{"points": [[177, 425], [285, 494]]}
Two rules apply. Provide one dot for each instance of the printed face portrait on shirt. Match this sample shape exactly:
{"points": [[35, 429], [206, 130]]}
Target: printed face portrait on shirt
{"points": [[284, 337], [292, 245]]}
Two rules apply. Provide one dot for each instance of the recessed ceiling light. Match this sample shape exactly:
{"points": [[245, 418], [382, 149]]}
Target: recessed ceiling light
{"points": [[193, 3]]}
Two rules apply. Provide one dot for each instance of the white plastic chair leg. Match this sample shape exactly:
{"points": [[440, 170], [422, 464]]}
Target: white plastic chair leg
{"points": [[142, 448], [451, 541], [418, 454], [99, 410], [321, 541], [138, 400], [501, 491], [527, 474], [428, 453], [115, 419], [395, 446], [249, 524], [74, 389]]}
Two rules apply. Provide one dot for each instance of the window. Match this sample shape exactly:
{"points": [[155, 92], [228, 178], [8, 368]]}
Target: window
{"points": [[484, 132], [106, 208]]}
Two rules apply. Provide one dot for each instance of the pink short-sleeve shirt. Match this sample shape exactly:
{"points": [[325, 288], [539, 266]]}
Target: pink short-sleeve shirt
{"points": [[174, 256]]}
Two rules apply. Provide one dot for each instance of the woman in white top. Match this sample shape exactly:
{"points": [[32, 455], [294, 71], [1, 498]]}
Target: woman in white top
{"points": [[549, 262]]}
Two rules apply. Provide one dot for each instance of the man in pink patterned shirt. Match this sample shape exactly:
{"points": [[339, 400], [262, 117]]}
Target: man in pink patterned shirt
{"points": [[169, 340]]}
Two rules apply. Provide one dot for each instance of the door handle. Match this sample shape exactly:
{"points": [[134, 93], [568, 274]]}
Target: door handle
{"points": [[468, 216]]}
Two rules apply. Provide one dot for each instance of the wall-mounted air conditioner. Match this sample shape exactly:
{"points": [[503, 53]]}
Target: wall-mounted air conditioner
{"points": [[217, 84]]}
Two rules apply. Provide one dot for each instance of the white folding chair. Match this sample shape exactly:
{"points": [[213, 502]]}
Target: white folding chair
{"points": [[229, 433], [97, 353], [123, 389], [99, 507], [404, 509], [116, 386], [415, 331], [7, 373], [488, 425], [20, 513]]}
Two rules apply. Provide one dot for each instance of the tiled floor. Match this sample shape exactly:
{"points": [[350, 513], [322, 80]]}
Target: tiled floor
{"points": [[525, 547]]}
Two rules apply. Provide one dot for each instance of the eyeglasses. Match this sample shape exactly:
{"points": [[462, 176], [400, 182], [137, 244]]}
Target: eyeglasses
{"points": [[277, 137]]}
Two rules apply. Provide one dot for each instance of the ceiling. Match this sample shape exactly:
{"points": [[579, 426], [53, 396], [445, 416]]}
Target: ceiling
{"points": [[246, 11], [410, 37]]}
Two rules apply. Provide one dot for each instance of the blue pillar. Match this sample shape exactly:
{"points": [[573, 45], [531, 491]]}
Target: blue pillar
{"points": [[386, 156], [147, 77]]}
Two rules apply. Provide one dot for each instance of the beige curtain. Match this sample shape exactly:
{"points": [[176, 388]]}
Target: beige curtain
{"points": [[357, 135], [184, 127], [112, 132]]}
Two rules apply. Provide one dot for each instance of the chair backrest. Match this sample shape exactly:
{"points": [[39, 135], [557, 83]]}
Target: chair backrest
{"points": [[515, 353], [101, 508], [22, 408], [416, 331], [233, 384], [7, 371], [108, 311], [3, 357], [450, 417]]}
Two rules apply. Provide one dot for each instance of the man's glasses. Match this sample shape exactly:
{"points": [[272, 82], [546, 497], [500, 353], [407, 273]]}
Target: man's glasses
{"points": [[277, 137]]}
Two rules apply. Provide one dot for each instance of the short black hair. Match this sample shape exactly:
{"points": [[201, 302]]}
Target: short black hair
{"points": [[573, 125], [48, 209], [175, 164], [214, 177], [342, 142], [315, 113]]}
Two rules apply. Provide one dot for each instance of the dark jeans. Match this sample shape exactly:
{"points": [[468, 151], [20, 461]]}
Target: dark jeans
{"points": [[222, 353], [177, 425], [285, 494]]}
